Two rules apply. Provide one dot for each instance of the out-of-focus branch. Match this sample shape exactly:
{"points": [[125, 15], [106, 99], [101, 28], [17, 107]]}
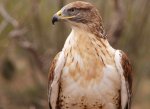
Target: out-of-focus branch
{"points": [[117, 22], [17, 36], [7, 17], [28, 46], [17, 33]]}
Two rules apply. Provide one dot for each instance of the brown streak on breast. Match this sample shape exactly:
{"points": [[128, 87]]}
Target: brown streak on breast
{"points": [[70, 51], [108, 53], [99, 45], [97, 52], [74, 73], [103, 52], [102, 43], [91, 72], [102, 60], [72, 60]]}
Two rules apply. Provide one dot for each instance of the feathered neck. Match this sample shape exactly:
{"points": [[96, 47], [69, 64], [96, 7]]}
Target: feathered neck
{"points": [[83, 42], [81, 37]]}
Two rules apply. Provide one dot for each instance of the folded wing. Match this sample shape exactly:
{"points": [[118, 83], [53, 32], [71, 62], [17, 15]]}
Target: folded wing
{"points": [[53, 79], [125, 69]]}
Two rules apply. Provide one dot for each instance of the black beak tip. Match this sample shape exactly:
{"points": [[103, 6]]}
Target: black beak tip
{"points": [[54, 19]]}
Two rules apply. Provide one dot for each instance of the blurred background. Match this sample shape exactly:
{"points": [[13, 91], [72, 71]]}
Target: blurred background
{"points": [[28, 43]]}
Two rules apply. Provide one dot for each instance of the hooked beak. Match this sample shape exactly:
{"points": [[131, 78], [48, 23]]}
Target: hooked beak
{"points": [[59, 16], [56, 17]]}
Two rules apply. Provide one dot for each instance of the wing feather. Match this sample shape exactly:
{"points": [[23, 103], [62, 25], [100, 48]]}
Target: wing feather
{"points": [[53, 79], [125, 69]]}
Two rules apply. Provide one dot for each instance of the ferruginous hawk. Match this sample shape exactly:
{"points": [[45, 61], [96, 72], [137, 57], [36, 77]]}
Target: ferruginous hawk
{"points": [[88, 73]]}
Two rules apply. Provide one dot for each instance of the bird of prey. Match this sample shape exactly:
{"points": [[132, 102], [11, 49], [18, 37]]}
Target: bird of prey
{"points": [[88, 73]]}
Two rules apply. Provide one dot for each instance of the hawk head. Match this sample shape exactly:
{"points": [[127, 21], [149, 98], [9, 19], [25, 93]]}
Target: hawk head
{"points": [[81, 15]]}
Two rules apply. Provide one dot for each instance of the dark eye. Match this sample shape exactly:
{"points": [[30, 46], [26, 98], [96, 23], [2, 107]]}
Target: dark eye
{"points": [[72, 10]]}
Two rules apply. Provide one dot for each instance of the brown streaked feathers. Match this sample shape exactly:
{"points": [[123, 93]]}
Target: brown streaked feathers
{"points": [[51, 76], [52, 68], [90, 17], [126, 65], [88, 73]]}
